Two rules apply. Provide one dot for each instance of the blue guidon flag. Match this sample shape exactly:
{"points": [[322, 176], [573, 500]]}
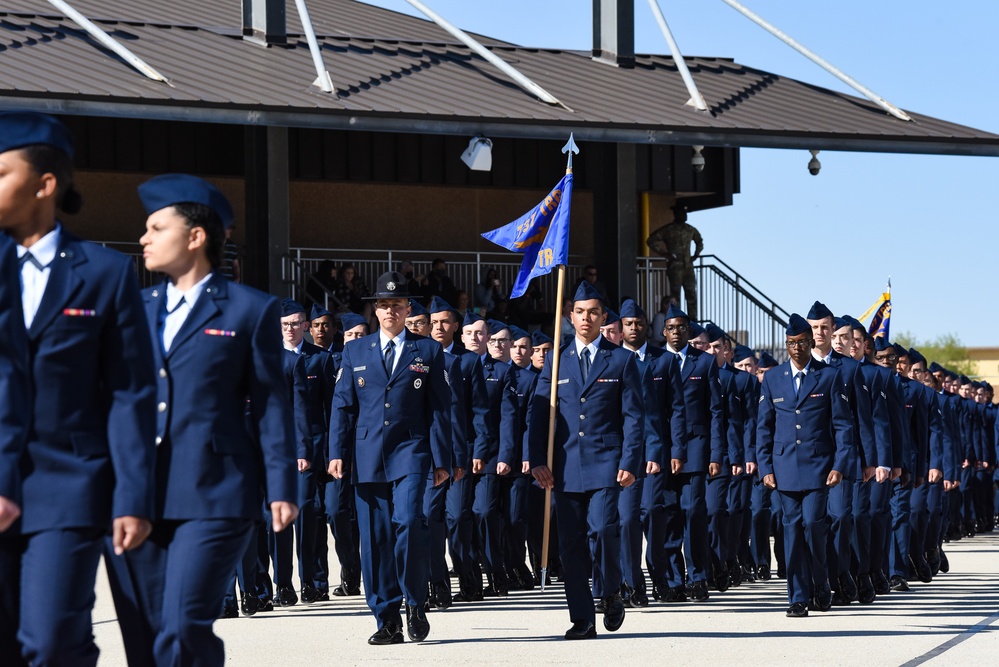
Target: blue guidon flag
{"points": [[541, 234]]}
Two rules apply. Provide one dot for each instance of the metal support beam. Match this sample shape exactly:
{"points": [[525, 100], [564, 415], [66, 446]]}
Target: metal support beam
{"points": [[323, 80], [106, 40], [627, 222], [614, 32], [696, 99], [818, 60], [491, 57], [268, 226]]}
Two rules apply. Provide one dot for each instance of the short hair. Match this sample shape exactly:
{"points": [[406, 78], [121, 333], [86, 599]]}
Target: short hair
{"points": [[199, 215], [45, 159]]}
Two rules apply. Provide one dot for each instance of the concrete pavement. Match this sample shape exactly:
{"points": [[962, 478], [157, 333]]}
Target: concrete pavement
{"points": [[953, 620]]}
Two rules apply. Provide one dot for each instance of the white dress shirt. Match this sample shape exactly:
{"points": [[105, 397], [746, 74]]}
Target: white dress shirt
{"points": [[383, 343], [592, 347], [33, 279], [178, 306]]}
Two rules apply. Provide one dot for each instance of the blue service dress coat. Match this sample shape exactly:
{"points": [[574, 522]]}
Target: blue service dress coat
{"points": [[599, 423], [802, 436], [90, 449], [320, 373], [403, 419], [705, 442]]}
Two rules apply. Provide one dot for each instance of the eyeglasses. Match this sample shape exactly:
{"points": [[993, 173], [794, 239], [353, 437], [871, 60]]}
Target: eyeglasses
{"points": [[499, 341], [291, 326], [676, 328], [799, 344]]}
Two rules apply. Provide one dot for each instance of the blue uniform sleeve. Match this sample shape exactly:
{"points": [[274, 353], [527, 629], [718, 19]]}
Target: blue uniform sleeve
{"points": [[632, 405], [510, 435], [440, 408], [936, 432], [526, 447], [540, 416], [863, 415], [14, 389], [654, 394], [765, 422], [459, 411], [750, 404], [270, 408], [300, 407], [718, 441], [881, 419], [677, 407], [129, 380], [842, 423], [479, 404], [736, 423], [344, 413]]}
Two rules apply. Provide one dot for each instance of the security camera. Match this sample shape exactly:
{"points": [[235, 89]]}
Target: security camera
{"points": [[814, 166], [697, 161]]}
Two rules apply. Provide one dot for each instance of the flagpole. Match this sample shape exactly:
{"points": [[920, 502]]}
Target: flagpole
{"points": [[569, 148]]}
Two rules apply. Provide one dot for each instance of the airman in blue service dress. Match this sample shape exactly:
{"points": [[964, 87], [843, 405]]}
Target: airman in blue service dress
{"points": [[14, 387], [392, 386], [804, 434], [216, 348], [599, 447], [87, 461]]}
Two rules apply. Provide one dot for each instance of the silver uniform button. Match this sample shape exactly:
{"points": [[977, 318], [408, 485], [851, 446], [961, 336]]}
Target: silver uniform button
{"points": [[582, 417], [797, 412], [159, 441], [386, 423], [582, 435], [798, 426], [163, 373], [798, 442], [161, 407], [582, 400], [388, 405]]}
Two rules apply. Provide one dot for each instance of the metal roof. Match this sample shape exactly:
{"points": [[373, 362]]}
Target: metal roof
{"points": [[395, 72]]}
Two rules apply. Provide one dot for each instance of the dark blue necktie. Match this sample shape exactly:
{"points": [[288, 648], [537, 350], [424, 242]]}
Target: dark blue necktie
{"points": [[584, 362], [28, 258], [389, 357]]}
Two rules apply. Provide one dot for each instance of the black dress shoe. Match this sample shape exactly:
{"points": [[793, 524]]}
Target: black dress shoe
{"points": [[763, 572], [898, 584], [865, 589], [721, 580], [920, 568], [822, 600], [343, 590], [797, 610], [324, 596], [581, 630], [675, 594], [286, 596], [933, 560], [781, 572], [639, 599], [614, 616], [734, 573], [309, 594], [600, 607], [748, 573], [265, 605], [526, 578], [699, 591], [417, 625], [441, 595], [656, 595], [387, 634], [848, 587], [229, 611], [944, 563], [249, 604], [881, 585]]}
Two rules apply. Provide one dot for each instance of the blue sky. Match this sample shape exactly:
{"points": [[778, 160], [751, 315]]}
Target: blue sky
{"points": [[928, 221]]}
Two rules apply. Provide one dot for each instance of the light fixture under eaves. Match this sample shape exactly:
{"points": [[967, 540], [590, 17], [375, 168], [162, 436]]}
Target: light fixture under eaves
{"points": [[479, 154]]}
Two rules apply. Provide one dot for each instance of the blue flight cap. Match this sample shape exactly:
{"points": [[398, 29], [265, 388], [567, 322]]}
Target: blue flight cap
{"points": [[517, 333], [169, 189], [855, 323], [714, 332], [471, 317], [963, 379], [840, 322], [797, 325], [416, 309], [631, 309], [935, 367], [495, 326], [915, 357], [674, 312], [612, 317], [350, 320], [767, 360], [741, 353], [900, 351], [585, 292], [318, 311], [439, 305], [882, 344], [19, 129], [290, 307], [695, 329], [538, 338], [818, 311]]}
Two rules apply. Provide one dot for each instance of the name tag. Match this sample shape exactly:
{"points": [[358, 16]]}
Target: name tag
{"points": [[778, 400], [419, 368], [220, 332], [608, 380], [358, 369], [565, 381], [79, 312]]}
